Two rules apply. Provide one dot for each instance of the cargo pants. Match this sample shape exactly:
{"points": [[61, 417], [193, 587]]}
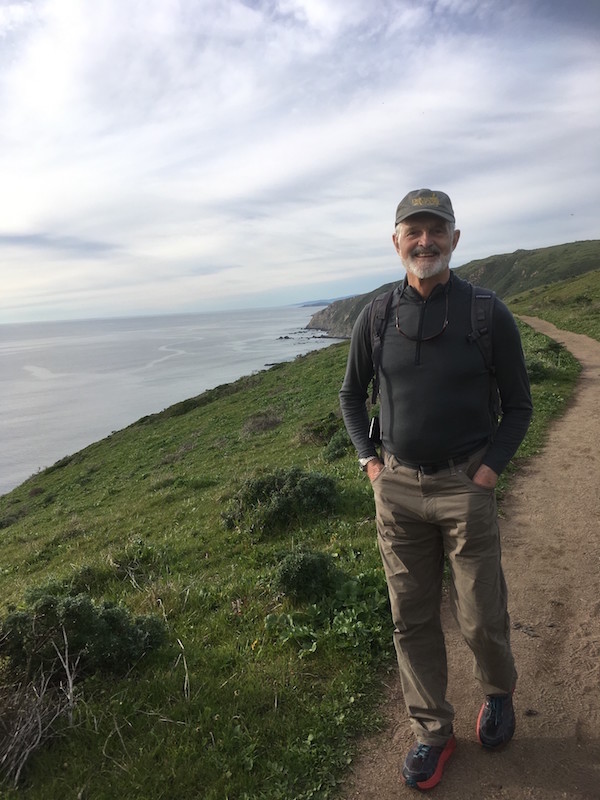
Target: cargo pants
{"points": [[420, 518]]}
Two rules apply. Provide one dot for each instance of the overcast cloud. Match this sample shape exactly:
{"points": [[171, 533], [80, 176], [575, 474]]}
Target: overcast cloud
{"points": [[181, 155]]}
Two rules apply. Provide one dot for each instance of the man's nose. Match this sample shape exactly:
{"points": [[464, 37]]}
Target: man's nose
{"points": [[425, 239]]}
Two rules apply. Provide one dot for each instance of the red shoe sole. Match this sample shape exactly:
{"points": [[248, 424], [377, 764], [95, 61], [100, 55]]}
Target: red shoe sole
{"points": [[478, 721], [437, 775]]}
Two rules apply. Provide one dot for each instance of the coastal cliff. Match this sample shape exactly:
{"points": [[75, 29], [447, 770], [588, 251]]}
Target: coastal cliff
{"points": [[339, 317]]}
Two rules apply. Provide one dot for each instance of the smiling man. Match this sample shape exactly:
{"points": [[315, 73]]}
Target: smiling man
{"points": [[434, 477]]}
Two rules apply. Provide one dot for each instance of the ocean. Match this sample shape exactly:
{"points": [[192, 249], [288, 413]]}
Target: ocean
{"points": [[65, 385]]}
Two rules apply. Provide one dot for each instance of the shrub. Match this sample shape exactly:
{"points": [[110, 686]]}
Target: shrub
{"points": [[103, 638], [45, 649], [338, 446], [307, 575], [275, 501]]}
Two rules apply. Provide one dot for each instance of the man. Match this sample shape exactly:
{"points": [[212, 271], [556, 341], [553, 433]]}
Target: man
{"points": [[434, 483]]}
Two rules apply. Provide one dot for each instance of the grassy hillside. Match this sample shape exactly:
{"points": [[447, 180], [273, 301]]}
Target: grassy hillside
{"points": [[526, 269], [573, 304], [508, 275], [273, 605]]}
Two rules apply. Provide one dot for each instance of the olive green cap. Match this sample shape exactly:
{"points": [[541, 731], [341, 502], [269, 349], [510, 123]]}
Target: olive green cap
{"points": [[424, 200]]}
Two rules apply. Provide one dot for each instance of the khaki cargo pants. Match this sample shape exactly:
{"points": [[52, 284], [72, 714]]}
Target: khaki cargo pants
{"points": [[419, 519]]}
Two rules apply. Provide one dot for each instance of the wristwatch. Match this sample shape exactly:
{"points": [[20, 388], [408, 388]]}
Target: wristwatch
{"points": [[362, 462]]}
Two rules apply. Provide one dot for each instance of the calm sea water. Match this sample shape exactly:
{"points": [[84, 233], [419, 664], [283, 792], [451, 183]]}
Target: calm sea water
{"points": [[64, 385]]}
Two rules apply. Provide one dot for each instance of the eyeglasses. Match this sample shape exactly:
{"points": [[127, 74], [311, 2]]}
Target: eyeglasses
{"points": [[424, 338]]}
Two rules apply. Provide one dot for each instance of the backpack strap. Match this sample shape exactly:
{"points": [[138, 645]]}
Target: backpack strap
{"points": [[378, 316], [482, 317]]}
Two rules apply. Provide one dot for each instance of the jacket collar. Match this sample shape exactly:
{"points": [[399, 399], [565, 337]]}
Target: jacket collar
{"points": [[405, 290]]}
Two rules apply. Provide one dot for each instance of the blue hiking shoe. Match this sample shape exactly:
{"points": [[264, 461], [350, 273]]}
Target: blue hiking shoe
{"points": [[496, 721], [425, 763]]}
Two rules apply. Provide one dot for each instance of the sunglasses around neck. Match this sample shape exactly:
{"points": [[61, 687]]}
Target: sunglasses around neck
{"points": [[424, 338]]}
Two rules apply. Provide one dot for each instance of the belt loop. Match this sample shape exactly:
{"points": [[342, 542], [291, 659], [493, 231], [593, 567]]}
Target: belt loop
{"points": [[451, 465]]}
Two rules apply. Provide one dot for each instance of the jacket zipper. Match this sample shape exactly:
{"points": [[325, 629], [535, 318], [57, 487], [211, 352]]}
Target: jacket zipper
{"points": [[420, 333]]}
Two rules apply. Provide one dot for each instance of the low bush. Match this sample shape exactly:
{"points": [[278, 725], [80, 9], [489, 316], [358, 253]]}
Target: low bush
{"points": [[277, 500], [307, 575], [46, 648], [338, 446], [103, 638]]}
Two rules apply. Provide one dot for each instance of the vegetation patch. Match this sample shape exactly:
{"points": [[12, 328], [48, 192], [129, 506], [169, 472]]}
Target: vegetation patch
{"points": [[351, 614], [277, 500], [307, 575], [102, 637], [320, 431], [46, 648], [337, 447], [261, 422], [12, 515], [140, 562], [31, 712], [180, 453]]}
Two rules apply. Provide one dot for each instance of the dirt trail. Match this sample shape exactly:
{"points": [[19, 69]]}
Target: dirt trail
{"points": [[551, 553]]}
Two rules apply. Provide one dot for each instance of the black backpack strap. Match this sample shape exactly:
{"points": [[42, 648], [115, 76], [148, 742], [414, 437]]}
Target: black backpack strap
{"points": [[378, 316], [482, 318]]}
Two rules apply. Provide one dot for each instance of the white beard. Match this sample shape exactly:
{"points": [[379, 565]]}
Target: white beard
{"points": [[422, 271]]}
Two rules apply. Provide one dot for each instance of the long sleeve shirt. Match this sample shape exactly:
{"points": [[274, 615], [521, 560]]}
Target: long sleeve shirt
{"points": [[434, 385]]}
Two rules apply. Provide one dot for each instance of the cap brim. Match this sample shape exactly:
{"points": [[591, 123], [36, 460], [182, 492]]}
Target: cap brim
{"points": [[435, 212]]}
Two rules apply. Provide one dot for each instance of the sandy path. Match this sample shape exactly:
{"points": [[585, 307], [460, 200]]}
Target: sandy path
{"points": [[551, 552]]}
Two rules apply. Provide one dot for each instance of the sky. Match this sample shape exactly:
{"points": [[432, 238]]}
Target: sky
{"points": [[166, 156]]}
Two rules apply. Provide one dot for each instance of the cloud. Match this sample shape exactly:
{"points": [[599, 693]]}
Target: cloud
{"points": [[66, 245], [165, 155]]}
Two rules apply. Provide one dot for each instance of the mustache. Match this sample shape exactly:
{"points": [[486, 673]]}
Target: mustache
{"points": [[423, 251]]}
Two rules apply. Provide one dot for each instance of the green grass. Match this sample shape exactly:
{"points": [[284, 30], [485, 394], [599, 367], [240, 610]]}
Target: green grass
{"points": [[511, 273], [553, 372], [572, 305], [255, 695]]}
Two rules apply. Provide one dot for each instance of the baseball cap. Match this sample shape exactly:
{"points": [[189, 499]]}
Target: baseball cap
{"points": [[424, 200]]}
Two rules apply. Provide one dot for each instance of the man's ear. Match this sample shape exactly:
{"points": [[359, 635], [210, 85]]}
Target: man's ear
{"points": [[396, 243], [455, 238]]}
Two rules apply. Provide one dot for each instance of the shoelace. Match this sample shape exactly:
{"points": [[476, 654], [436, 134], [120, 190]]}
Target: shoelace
{"points": [[495, 704], [423, 751]]}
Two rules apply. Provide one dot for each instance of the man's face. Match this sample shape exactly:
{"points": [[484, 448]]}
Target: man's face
{"points": [[425, 245]]}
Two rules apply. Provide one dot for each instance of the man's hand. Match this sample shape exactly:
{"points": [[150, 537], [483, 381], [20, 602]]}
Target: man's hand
{"points": [[485, 476], [374, 467]]}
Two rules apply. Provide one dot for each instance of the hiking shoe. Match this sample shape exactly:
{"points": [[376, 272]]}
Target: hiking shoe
{"points": [[496, 721], [424, 764]]}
